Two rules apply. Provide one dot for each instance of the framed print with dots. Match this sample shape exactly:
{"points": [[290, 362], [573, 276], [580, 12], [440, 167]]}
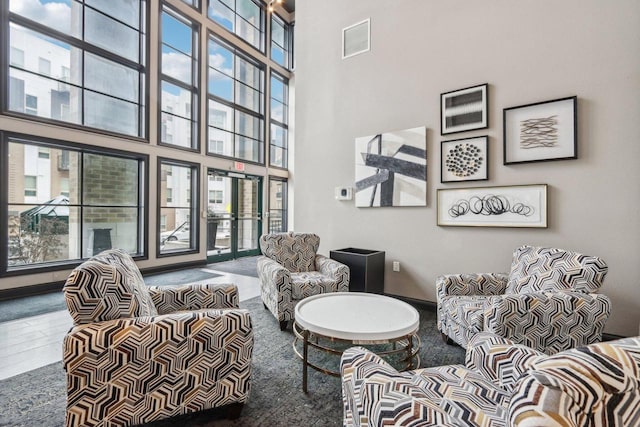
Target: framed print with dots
{"points": [[464, 160]]}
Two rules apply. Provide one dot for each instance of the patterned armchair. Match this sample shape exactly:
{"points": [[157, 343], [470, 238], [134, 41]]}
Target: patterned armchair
{"points": [[501, 384], [291, 270], [548, 302], [138, 354]]}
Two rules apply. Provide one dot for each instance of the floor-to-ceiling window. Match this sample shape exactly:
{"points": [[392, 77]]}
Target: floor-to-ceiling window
{"points": [[99, 126]]}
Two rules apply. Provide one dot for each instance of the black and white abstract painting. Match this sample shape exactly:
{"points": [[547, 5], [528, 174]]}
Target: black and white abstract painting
{"points": [[464, 160], [506, 206], [464, 109], [540, 132], [391, 169]]}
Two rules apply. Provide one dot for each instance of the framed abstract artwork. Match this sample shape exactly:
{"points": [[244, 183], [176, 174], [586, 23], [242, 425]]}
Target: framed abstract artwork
{"points": [[391, 169], [464, 160], [506, 206], [464, 109], [541, 132]]}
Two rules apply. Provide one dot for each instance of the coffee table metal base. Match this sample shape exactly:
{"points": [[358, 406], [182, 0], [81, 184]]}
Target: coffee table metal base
{"points": [[406, 345]]}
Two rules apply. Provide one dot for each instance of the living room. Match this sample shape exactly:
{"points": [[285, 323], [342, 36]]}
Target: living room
{"points": [[417, 52]]}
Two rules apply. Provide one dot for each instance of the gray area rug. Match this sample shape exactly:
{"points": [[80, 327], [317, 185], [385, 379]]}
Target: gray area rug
{"points": [[38, 397], [19, 308]]}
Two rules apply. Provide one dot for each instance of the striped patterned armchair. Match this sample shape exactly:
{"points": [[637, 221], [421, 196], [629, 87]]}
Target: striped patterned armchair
{"points": [[138, 354], [291, 270], [501, 384], [548, 301]]}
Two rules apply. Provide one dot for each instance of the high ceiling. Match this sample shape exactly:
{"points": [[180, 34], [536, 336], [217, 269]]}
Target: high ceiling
{"points": [[290, 5]]}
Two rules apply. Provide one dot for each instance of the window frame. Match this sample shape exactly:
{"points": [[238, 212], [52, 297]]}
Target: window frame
{"points": [[262, 29], [284, 125], [194, 88], [288, 41], [7, 17], [142, 206], [196, 4], [194, 209], [284, 212], [261, 116]]}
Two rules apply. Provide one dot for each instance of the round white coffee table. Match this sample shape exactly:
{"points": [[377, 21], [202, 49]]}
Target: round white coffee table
{"points": [[355, 318]]}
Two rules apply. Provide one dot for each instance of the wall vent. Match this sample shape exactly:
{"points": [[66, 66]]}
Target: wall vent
{"points": [[356, 39]]}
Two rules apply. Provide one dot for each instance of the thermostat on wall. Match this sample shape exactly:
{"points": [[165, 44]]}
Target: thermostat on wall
{"points": [[344, 193]]}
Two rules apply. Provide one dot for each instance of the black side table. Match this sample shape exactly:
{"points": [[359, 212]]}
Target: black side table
{"points": [[366, 268]]}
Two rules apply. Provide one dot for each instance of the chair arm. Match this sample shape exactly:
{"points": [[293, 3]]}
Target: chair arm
{"points": [[337, 270], [471, 284], [174, 362], [499, 360], [548, 321], [375, 394], [274, 275], [576, 387], [195, 296], [365, 376]]}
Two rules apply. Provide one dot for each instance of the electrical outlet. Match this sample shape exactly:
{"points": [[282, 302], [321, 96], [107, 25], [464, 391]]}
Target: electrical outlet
{"points": [[396, 265]]}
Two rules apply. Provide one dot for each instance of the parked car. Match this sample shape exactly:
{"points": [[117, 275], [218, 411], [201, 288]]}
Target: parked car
{"points": [[182, 233]]}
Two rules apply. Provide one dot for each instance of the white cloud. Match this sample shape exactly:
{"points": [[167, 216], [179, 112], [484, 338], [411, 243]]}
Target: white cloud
{"points": [[177, 65], [54, 14], [217, 61]]}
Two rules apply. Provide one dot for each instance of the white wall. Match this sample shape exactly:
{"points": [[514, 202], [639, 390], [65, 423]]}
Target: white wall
{"points": [[527, 51]]}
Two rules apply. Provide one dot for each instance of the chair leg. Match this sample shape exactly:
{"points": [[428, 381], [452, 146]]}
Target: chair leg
{"points": [[283, 324], [446, 339], [234, 410]]}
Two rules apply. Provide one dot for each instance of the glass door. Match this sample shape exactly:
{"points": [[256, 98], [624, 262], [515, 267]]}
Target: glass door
{"points": [[234, 215]]}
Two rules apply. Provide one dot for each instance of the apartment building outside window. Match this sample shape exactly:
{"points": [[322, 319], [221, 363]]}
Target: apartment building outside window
{"points": [[58, 216], [179, 80], [235, 103], [80, 67], [84, 61]]}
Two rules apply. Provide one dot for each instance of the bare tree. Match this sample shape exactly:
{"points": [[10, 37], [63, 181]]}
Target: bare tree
{"points": [[39, 240]]}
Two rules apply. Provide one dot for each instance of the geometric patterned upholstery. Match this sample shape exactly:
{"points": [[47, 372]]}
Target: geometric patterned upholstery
{"points": [[310, 283], [107, 287], [501, 384], [121, 259], [294, 271], [598, 385], [546, 303], [194, 355], [551, 269], [294, 251]]}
